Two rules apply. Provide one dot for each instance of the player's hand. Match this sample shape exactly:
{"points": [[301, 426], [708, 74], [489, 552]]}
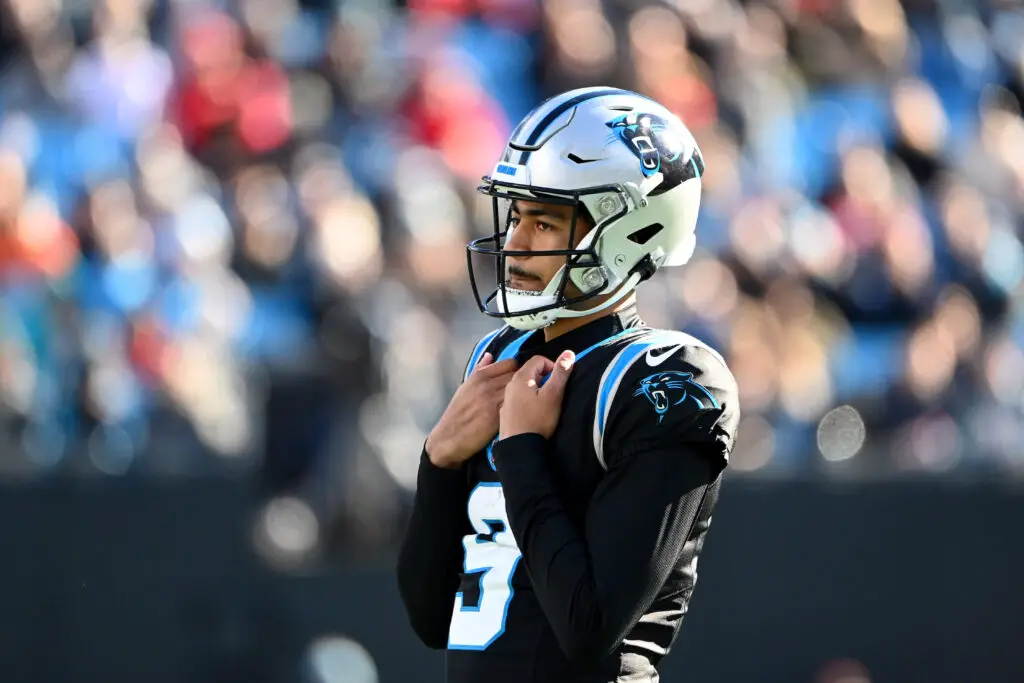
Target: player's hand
{"points": [[533, 405], [471, 419]]}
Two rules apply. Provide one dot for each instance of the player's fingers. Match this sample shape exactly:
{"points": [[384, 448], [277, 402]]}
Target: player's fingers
{"points": [[537, 367], [502, 367], [506, 367], [529, 376], [559, 374], [540, 374], [480, 370], [499, 382], [482, 367]]}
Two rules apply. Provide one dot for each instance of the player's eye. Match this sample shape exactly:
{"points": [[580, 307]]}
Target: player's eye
{"points": [[513, 221], [541, 225]]}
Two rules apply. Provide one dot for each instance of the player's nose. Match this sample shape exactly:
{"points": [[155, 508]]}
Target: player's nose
{"points": [[517, 240]]}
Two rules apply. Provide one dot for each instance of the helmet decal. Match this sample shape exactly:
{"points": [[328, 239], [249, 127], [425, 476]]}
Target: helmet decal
{"points": [[658, 147]]}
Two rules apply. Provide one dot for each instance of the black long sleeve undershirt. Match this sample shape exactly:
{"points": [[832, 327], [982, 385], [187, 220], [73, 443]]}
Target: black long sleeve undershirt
{"points": [[430, 555], [594, 587]]}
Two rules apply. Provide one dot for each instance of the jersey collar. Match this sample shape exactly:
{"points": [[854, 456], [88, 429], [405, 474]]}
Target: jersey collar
{"points": [[580, 338]]}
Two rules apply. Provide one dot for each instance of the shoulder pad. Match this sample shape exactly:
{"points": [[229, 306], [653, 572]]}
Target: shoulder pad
{"points": [[672, 378]]}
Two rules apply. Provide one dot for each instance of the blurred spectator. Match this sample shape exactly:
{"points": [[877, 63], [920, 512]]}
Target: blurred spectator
{"points": [[231, 233], [120, 79], [228, 104]]}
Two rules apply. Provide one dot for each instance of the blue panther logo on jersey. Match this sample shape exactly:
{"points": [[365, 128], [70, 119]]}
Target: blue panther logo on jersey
{"points": [[650, 139], [671, 388]]}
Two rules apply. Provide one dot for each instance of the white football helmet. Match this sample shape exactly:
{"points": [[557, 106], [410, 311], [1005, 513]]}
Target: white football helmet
{"points": [[631, 164]]}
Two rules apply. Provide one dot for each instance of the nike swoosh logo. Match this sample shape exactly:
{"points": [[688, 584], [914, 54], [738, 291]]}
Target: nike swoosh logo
{"points": [[655, 360], [581, 160]]}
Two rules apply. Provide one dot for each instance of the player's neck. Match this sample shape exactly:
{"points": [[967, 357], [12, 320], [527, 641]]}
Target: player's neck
{"points": [[564, 325]]}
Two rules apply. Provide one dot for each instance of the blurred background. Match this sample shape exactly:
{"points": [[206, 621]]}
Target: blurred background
{"points": [[233, 301]]}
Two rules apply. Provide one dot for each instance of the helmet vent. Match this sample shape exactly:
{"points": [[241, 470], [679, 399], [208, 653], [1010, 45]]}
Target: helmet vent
{"points": [[644, 235]]}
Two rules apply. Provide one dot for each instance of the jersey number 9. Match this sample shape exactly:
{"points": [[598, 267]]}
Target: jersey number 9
{"points": [[492, 550]]}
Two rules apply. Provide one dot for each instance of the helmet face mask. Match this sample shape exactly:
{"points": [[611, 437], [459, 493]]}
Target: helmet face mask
{"points": [[580, 253], [624, 164]]}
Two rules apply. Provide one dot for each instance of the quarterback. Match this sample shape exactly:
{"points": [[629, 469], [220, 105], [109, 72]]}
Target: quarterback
{"points": [[565, 493]]}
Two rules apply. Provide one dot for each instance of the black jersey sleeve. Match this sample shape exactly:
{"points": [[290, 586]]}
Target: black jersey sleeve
{"points": [[430, 554], [595, 582]]}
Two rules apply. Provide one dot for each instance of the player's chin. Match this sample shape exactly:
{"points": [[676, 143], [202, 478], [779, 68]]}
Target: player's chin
{"points": [[571, 292]]}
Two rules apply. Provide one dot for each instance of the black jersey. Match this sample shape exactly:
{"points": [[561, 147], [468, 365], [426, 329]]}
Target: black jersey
{"points": [[572, 559]]}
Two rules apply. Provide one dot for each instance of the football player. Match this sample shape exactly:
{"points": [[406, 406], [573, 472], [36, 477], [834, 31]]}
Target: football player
{"points": [[565, 494]]}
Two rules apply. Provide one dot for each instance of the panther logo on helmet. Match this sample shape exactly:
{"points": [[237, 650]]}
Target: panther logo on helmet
{"points": [[654, 143]]}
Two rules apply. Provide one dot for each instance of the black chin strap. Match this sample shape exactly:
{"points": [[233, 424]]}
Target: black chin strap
{"points": [[645, 267]]}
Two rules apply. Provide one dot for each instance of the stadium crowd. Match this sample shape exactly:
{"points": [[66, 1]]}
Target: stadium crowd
{"points": [[232, 233]]}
